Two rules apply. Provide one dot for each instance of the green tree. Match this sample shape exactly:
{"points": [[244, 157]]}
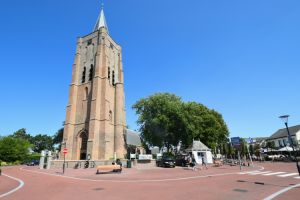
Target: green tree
{"points": [[243, 147], [271, 145], [204, 124], [165, 120], [251, 149], [13, 149], [230, 150], [224, 148], [257, 149], [58, 138], [42, 142], [160, 119], [21, 134]]}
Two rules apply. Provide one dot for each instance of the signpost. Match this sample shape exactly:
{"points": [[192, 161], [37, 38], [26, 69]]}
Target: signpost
{"points": [[65, 151], [235, 141], [249, 142]]}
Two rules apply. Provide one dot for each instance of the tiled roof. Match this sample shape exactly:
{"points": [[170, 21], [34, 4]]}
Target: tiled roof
{"points": [[198, 146], [283, 132]]}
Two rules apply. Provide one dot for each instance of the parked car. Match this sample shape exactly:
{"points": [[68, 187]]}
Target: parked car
{"points": [[165, 162], [181, 160], [33, 163]]}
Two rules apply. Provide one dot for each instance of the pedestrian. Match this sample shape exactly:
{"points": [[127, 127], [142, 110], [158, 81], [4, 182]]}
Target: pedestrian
{"points": [[194, 163], [203, 162]]}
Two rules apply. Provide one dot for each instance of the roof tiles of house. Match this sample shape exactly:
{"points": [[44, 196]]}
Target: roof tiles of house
{"points": [[198, 146], [283, 132]]}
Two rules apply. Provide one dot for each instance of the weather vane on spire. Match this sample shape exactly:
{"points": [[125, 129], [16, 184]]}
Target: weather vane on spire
{"points": [[102, 4]]}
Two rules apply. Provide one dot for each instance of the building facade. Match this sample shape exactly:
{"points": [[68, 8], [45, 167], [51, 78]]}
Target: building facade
{"points": [[95, 124], [280, 137]]}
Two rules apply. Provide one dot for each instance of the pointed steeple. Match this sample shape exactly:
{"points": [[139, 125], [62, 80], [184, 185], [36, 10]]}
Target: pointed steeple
{"points": [[101, 22]]}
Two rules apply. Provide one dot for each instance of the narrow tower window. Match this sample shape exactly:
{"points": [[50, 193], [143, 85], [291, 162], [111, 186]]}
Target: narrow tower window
{"points": [[91, 73], [86, 93], [113, 77], [110, 115], [83, 75], [108, 73]]}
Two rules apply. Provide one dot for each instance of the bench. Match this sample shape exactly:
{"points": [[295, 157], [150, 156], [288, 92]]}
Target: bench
{"points": [[107, 168], [218, 163]]}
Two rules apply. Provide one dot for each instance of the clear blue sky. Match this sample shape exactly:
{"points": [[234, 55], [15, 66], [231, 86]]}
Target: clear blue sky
{"points": [[240, 58]]}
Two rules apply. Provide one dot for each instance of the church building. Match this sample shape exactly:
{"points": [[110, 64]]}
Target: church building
{"points": [[95, 125]]}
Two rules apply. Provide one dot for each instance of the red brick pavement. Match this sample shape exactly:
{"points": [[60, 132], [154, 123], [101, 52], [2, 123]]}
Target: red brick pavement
{"points": [[156, 183]]}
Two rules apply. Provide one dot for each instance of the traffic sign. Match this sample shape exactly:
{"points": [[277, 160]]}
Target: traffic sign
{"points": [[249, 140], [235, 141], [65, 151]]}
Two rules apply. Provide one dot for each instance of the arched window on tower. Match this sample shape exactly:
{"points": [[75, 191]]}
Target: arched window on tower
{"points": [[91, 72], [83, 75], [113, 77], [83, 146]]}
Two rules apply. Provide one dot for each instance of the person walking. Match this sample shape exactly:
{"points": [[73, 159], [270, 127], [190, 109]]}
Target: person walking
{"points": [[194, 163], [203, 162]]}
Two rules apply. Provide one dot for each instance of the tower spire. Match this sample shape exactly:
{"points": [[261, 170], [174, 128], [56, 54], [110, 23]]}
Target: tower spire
{"points": [[101, 22]]}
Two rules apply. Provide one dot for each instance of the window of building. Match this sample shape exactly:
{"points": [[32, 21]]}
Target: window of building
{"points": [[280, 143], [108, 73], [91, 73], [83, 75], [111, 46], [284, 142], [113, 77], [89, 42]]}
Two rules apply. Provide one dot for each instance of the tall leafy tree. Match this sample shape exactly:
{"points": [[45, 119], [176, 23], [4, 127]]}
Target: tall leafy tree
{"points": [[160, 119], [251, 149], [13, 149], [165, 120], [21, 134], [204, 124], [42, 142], [58, 138], [243, 147]]}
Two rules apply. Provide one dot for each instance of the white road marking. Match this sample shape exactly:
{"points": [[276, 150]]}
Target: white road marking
{"points": [[259, 173], [248, 172], [15, 189], [298, 177], [286, 175], [280, 192], [274, 173]]}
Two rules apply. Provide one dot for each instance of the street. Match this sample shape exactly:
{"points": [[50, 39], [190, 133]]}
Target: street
{"points": [[224, 182]]}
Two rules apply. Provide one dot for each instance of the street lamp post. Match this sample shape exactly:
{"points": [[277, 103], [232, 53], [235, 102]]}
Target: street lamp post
{"points": [[285, 120]]}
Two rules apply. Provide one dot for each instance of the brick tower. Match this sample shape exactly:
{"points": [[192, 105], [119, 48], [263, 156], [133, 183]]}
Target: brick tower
{"points": [[95, 116]]}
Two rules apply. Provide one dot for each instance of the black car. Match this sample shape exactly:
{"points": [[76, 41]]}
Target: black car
{"points": [[181, 160], [33, 163], [165, 162]]}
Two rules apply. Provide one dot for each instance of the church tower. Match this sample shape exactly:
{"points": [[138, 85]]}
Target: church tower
{"points": [[95, 116]]}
